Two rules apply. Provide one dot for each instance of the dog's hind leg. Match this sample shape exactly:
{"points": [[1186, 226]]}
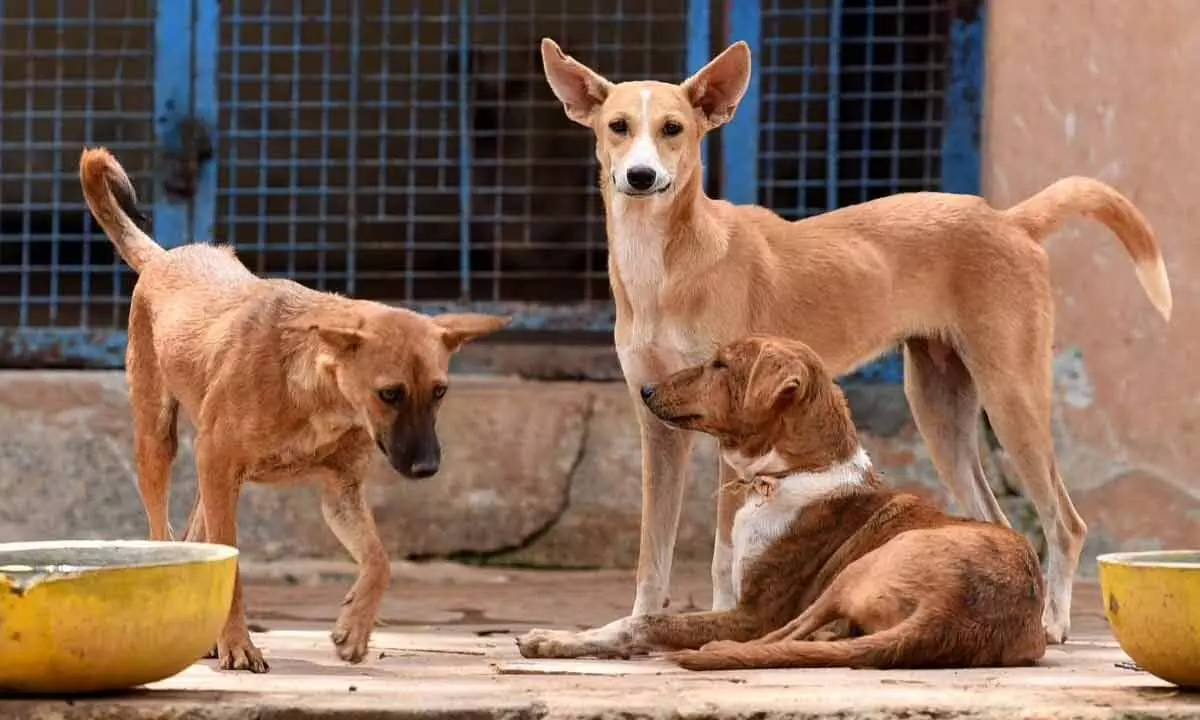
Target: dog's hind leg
{"points": [[1016, 382], [195, 532], [824, 610], [641, 634], [945, 406], [155, 412]]}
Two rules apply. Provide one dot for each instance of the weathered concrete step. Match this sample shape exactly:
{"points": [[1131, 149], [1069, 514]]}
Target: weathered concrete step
{"points": [[539, 473]]}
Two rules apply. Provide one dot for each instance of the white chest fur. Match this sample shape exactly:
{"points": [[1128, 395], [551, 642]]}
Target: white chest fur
{"points": [[763, 520], [653, 344]]}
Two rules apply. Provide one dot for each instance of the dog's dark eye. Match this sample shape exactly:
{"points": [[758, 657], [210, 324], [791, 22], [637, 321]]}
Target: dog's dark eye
{"points": [[620, 127], [391, 395], [719, 365], [672, 128], [439, 392]]}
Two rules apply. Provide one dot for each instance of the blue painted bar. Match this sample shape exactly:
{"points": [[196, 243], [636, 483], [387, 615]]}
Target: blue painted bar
{"points": [[964, 99], [739, 139], [172, 104], [83, 348], [833, 105], [206, 39], [699, 47], [464, 149], [104, 348]]}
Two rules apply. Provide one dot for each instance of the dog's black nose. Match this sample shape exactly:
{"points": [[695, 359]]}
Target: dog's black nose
{"points": [[647, 391], [423, 469], [641, 177]]}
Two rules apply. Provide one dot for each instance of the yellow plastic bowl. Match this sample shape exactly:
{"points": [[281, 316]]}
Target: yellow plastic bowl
{"points": [[91, 616], [1152, 600]]}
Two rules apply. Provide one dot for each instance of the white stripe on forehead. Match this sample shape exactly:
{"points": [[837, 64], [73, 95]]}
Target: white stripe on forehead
{"points": [[644, 152]]}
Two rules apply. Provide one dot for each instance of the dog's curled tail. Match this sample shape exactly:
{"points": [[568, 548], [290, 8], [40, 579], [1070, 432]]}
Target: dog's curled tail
{"points": [[1041, 214], [890, 648], [111, 198]]}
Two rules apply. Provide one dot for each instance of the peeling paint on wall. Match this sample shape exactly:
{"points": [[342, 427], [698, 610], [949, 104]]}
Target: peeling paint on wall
{"points": [[1071, 379]]}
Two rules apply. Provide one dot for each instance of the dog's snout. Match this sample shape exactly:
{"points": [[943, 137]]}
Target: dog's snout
{"points": [[641, 177], [647, 391], [423, 469]]}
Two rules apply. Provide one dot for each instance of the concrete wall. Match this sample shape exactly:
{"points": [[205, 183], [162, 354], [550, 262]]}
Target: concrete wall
{"points": [[534, 472], [1105, 88]]}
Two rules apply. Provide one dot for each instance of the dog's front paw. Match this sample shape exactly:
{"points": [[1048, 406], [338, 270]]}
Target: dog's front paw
{"points": [[240, 654], [565, 644], [350, 638]]}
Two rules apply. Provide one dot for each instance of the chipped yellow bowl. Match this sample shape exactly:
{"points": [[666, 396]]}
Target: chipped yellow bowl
{"points": [[91, 616], [1152, 601]]}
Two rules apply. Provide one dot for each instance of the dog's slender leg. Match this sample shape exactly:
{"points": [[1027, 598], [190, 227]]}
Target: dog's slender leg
{"points": [[665, 453], [195, 531], [349, 516], [945, 407], [155, 412], [729, 501], [824, 610], [220, 482], [640, 634], [1019, 409]]}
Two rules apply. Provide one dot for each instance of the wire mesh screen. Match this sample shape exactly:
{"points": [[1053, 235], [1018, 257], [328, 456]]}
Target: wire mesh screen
{"points": [[412, 152], [71, 73], [852, 101]]}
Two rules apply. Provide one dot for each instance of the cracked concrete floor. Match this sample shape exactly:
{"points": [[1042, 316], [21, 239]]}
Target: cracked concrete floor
{"points": [[445, 649]]}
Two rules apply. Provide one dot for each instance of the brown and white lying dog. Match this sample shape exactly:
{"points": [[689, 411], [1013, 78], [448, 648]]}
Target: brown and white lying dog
{"points": [[820, 544], [282, 383], [963, 286]]}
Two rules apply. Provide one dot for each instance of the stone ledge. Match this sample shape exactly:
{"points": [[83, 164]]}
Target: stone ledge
{"points": [[558, 486]]}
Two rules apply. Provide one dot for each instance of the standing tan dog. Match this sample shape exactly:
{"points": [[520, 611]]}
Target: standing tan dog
{"points": [[866, 576], [282, 383], [963, 286]]}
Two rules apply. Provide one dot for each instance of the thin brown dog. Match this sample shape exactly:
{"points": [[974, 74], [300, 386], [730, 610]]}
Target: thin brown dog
{"points": [[831, 569], [282, 383], [963, 286]]}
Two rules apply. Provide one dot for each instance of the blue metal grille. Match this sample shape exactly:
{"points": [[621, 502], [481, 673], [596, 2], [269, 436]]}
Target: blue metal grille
{"points": [[71, 73], [852, 101], [411, 151], [848, 105]]}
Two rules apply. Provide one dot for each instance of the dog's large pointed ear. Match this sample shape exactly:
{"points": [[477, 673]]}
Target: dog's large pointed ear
{"points": [[461, 328], [717, 88], [581, 90], [774, 379]]}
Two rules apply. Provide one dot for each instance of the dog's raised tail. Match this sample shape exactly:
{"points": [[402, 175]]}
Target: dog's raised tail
{"points": [[1041, 214], [111, 198], [890, 648]]}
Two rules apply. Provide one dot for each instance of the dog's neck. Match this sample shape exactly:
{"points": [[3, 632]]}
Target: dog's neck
{"points": [[655, 237], [775, 477], [806, 450]]}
